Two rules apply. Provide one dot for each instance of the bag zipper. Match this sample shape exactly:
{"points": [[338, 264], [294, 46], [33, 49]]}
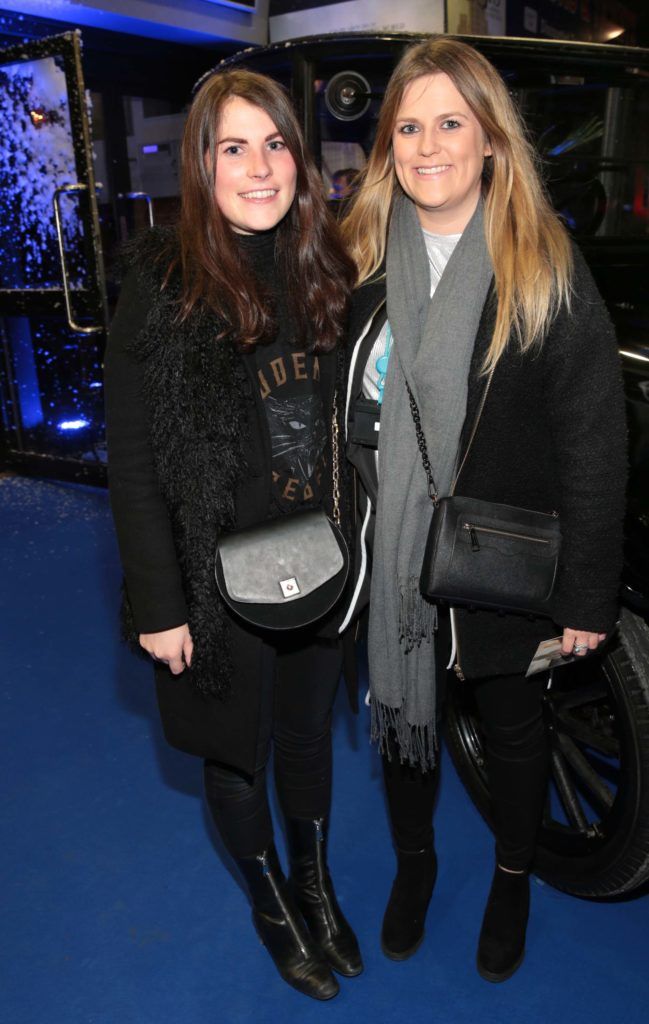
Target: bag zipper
{"points": [[474, 530]]}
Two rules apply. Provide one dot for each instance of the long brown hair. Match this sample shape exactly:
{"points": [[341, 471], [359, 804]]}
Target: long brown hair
{"points": [[312, 261], [529, 247]]}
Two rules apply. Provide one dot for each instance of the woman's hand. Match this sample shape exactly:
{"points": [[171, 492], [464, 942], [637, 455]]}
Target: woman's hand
{"points": [[579, 642], [172, 647]]}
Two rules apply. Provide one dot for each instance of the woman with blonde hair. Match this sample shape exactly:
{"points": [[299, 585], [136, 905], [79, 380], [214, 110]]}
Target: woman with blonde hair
{"points": [[221, 372], [477, 315]]}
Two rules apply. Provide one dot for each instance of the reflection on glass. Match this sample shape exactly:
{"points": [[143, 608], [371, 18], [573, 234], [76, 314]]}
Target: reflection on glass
{"points": [[55, 396], [596, 162], [341, 162], [36, 157]]}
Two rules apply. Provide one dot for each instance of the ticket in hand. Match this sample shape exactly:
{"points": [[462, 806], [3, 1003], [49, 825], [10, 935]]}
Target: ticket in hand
{"points": [[548, 655]]}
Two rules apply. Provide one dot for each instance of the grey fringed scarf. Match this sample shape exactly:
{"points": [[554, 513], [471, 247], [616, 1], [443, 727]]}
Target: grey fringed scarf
{"points": [[432, 349]]}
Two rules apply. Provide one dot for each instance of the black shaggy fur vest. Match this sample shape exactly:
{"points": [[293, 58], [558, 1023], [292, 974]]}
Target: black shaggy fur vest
{"points": [[201, 408], [197, 393]]}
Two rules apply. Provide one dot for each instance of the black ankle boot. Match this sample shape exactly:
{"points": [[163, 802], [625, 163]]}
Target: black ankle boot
{"points": [[282, 930], [314, 894], [403, 923], [502, 938]]}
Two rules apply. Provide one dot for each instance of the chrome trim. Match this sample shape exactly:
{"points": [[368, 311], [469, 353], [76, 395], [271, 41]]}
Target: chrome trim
{"points": [[78, 187], [140, 195]]}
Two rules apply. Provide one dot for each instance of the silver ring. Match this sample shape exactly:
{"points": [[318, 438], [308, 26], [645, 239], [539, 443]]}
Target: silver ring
{"points": [[580, 647]]}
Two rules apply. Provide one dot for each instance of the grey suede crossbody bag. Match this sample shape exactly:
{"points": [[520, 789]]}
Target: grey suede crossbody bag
{"points": [[288, 572]]}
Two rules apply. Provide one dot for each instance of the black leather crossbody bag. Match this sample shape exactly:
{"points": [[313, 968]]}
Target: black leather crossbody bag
{"points": [[485, 554], [288, 572]]}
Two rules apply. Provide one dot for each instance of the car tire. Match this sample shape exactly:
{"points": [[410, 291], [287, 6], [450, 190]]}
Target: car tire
{"points": [[594, 839]]}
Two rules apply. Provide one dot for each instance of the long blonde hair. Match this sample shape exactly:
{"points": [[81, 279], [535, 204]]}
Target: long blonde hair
{"points": [[529, 247]]}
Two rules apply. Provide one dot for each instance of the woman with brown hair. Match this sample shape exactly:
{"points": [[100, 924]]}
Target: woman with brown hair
{"points": [[220, 379], [473, 299]]}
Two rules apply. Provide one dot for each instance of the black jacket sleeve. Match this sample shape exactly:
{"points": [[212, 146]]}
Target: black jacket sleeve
{"points": [[149, 561], [587, 417]]}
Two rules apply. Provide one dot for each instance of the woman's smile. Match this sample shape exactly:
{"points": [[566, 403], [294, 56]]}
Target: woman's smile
{"points": [[439, 149], [439, 169], [255, 178], [260, 195]]}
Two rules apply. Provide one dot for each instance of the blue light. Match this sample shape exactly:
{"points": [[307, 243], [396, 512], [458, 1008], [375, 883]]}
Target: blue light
{"points": [[190, 28], [96, 384], [20, 338], [73, 424], [150, 149], [561, 148]]}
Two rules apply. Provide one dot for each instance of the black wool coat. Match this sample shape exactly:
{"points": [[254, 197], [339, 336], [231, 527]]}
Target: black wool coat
{"points": [[189, 455], [551, 437]]}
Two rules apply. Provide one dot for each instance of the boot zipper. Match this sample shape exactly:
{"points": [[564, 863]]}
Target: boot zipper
{"points": [[265, 868], [475, 530], [320, 868]]}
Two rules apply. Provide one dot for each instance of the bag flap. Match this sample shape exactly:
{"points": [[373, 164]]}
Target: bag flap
{"points": [[282, 560]]}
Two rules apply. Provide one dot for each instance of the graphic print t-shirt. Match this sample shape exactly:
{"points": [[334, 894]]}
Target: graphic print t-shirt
{"points": [[289, 387]]}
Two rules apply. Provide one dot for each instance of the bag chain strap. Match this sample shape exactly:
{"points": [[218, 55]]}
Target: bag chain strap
{"points": [[421, 442], [335, 463]]}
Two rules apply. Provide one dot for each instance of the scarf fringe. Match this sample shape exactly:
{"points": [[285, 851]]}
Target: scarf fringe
{"points": [[417, 743], [417, 617]]}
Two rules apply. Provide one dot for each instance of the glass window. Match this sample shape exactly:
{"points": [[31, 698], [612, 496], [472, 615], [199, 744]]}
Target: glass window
{"points": [[595, 153], [37, 157]]}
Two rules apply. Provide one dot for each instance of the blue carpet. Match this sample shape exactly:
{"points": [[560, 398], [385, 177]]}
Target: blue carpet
{"points": [[117, 906]]}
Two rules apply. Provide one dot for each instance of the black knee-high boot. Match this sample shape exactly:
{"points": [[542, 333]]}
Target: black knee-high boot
{"points": [[281, 927], [314, 894]]}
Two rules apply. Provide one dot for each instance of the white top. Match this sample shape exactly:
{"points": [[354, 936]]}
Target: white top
{"points": [[439, 249]]}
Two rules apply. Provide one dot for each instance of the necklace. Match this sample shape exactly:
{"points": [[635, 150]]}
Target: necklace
{"points": [[382, 363]]}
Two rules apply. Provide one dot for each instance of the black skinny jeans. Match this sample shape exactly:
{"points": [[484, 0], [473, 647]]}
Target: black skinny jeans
{"points": [[517, 759], [298, 686]]}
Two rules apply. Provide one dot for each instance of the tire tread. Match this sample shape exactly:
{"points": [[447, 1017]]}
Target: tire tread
{"points": [[629, 660]]}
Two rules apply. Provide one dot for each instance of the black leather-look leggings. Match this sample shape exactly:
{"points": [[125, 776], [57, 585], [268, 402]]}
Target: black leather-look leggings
{"points": [[298, 686], [517, 759]]}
